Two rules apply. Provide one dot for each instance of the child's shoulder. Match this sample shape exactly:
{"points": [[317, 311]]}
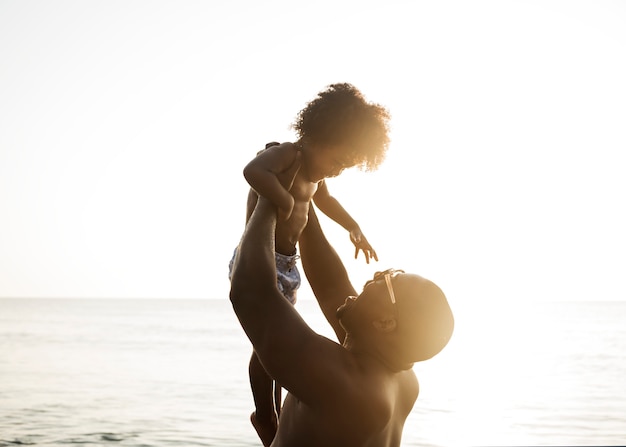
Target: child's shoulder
{"points": [[280, 147]]}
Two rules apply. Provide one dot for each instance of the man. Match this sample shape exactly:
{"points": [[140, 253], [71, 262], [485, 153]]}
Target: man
{"points": [[359, 392]]}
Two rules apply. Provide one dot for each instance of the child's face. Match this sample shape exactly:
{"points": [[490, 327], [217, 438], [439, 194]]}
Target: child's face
{"points": [[326, 161]]}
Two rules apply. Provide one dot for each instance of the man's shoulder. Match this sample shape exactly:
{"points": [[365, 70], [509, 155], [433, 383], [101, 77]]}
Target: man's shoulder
{"points": [[389, 391]]}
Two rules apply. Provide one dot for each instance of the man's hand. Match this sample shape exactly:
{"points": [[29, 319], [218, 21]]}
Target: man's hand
{"points": [[361, 244]]}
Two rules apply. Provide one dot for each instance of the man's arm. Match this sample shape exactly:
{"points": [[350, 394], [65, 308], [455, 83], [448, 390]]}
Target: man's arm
{"points": [[263, 171], [305, 363], [253, 198], [325, 272]]}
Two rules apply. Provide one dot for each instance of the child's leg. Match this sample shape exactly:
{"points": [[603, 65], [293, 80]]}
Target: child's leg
{"points": [[262, 389], [278, 398], [264, 418]]}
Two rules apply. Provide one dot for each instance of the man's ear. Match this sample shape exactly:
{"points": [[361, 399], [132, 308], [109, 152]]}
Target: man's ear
{"points": [[385, 325]]}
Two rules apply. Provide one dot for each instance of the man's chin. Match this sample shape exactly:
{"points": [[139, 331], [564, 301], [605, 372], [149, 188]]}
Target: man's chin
{"points": [[341, 310]]}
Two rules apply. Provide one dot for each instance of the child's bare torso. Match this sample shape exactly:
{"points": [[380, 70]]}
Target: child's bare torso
{"points": [[288, 231]]}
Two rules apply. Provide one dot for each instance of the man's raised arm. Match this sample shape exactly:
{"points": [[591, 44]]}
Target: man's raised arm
{"points": [[288, 348], [325, 272], [253, 279]]}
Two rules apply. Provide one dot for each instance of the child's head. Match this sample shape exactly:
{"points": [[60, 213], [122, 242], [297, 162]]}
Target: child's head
{"points": [[340, 117]]}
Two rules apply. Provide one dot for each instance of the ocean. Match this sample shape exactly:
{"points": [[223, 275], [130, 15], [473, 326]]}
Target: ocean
{"points": [[170, 373]]}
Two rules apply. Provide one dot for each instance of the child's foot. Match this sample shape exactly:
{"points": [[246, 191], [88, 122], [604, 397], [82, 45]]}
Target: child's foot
{"points": [[265, 429]]}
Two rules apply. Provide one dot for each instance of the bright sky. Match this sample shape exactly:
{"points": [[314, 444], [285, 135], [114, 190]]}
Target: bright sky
{"points": [[124, 127]]}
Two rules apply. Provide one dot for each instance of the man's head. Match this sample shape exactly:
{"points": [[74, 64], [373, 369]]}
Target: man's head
{"points": [[342, 121], [404, 317]]}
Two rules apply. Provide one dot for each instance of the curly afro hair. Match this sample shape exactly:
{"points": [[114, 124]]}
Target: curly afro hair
{"points": [[340, 115]]}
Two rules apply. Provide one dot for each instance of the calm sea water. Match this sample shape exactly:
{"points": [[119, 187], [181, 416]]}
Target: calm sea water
{"points": [[174, 373]]}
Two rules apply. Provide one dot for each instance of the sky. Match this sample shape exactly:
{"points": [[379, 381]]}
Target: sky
{"points": [[125, 126]]}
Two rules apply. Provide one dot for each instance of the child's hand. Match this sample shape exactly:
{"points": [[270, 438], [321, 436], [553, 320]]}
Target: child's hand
{"points": [[360, 243]]}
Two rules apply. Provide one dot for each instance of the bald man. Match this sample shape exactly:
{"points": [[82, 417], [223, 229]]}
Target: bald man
{"points": [[357, 392]]}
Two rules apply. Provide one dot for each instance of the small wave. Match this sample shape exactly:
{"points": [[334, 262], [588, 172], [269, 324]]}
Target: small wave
{"points": [[16, 441], [91, 438], [111, 437]]}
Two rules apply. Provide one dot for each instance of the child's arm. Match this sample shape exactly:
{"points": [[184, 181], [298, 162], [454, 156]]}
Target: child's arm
{"points": [[333, 209], [262, 175]]}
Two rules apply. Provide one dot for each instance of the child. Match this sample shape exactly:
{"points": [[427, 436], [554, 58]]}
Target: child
{"points": [[337, 130]]}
